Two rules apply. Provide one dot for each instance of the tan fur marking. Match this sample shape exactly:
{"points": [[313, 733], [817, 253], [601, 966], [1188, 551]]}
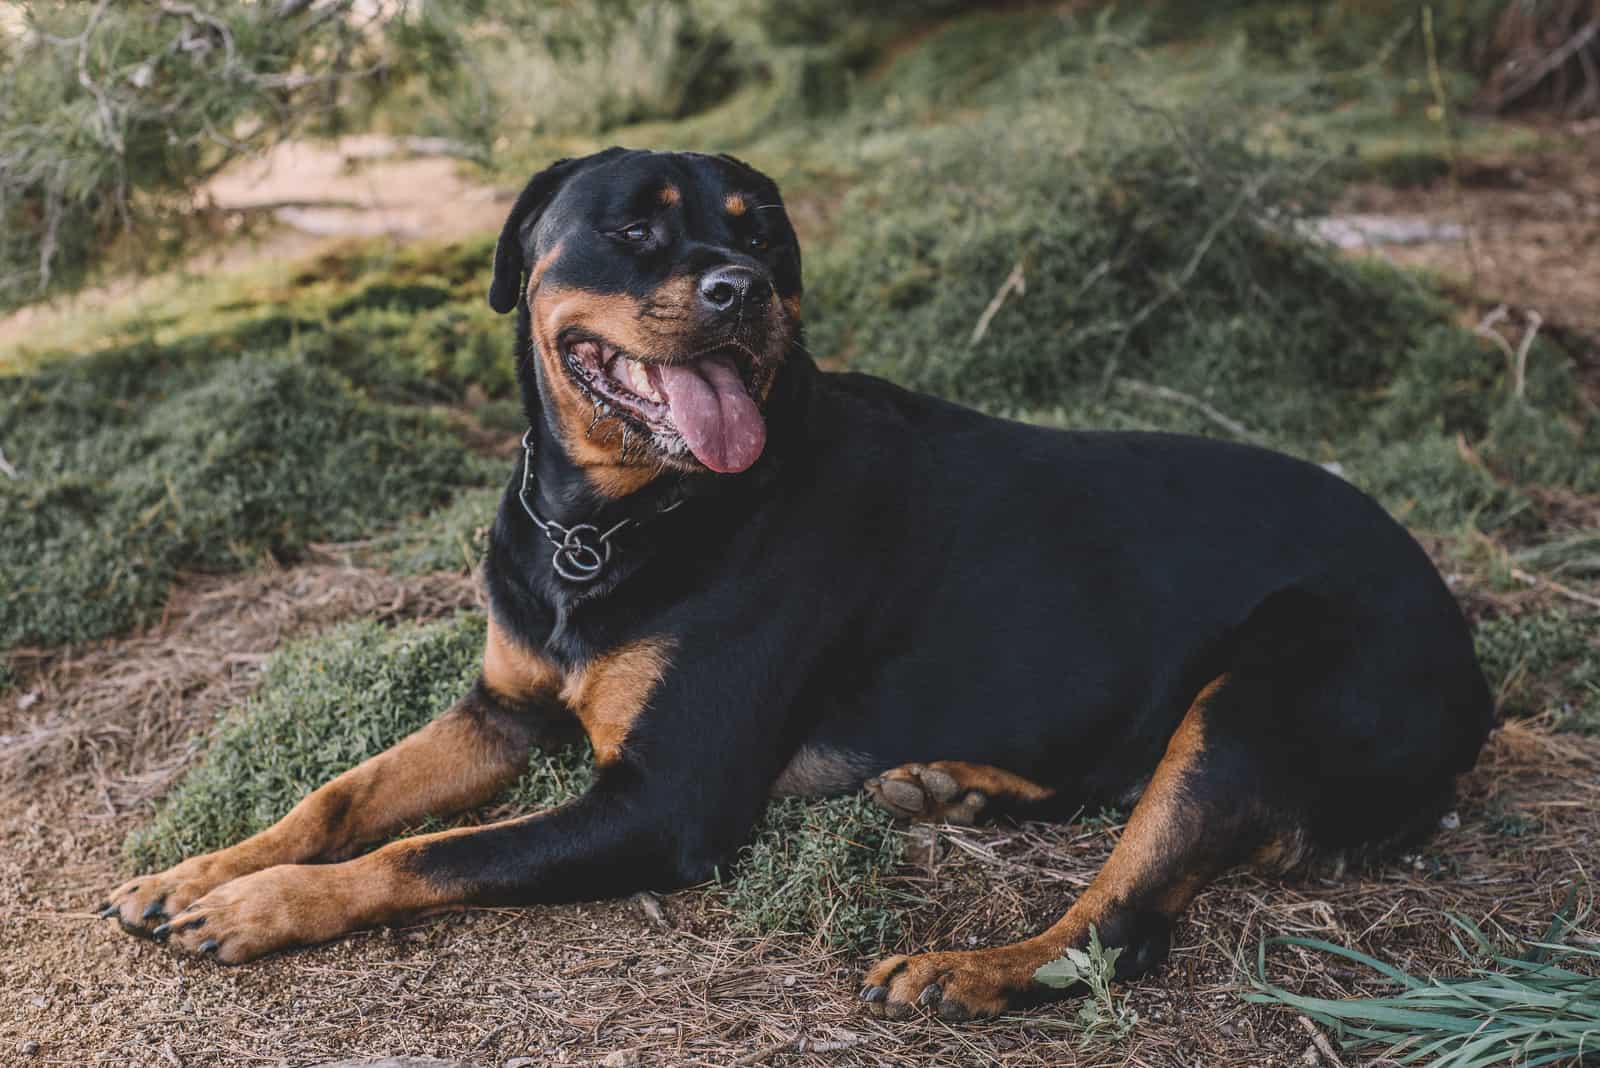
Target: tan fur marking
{"points": [[669, 195], [536, 275], [609, 692], [791, 307], [515, 673], [300, 904], [734, 204], [996, 782]]}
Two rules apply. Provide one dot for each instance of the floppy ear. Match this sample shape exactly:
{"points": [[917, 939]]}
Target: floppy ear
{"points": [[506, 289]]}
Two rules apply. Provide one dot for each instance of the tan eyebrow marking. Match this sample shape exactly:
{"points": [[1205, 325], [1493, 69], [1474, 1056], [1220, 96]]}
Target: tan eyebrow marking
{"points": [[734, 203], [669, 195]]}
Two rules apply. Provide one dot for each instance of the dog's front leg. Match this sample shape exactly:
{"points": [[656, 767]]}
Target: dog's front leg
{"points": [[612, 840], [460, 760]]}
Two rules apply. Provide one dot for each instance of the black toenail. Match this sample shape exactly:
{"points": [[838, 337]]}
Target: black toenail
{"points": [[208, 946], [154, 909], [874, 994], [109, 910], [162, 931], [930, 994]]}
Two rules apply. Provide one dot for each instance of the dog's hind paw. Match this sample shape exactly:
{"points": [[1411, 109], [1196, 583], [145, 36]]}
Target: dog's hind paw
{"points": [[927, 792]]}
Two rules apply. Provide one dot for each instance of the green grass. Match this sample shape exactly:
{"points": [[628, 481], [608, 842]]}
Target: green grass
{"points": [[821, 868], [217, 430], [1545, 663], [136, 464], [1541, 1006]]}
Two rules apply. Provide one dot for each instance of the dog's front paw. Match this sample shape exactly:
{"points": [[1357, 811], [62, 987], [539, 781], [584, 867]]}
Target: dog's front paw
{"points": [[143, 903], [253, 915], [956, 986], [927, 792]]}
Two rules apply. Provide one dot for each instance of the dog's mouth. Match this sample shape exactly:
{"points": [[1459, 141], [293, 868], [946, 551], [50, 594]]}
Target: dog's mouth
{"points": [[706, 405]]}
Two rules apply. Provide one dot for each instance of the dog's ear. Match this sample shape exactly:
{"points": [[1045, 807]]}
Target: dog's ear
{"points": [[509, 263]]}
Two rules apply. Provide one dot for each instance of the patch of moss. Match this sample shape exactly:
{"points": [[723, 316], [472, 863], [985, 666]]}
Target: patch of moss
{"points": [[135, 464], [820, 867], [1544, 662]]}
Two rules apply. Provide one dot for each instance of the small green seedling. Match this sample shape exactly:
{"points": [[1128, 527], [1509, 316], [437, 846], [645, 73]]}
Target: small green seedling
{"points": [[1101, 1014]]}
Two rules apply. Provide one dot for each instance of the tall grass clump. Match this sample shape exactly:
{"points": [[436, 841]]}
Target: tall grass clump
{"points": [[1539, 1007]]}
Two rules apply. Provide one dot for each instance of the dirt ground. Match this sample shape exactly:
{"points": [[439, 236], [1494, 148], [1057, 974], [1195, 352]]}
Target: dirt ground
{"points": [[97, 732], [93, 734], [1531, 231]]}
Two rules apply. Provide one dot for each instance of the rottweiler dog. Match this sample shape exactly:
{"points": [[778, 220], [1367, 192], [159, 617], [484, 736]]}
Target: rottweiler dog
{"points": [[741, 576]]}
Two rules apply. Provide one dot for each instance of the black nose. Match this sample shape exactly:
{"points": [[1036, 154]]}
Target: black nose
{"points": [[727, 288]]}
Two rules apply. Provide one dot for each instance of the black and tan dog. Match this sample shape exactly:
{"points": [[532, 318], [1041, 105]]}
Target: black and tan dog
{"points": [[741, 576]]}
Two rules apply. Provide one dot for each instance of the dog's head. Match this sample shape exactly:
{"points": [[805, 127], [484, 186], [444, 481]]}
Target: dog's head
{"points": [[661, 295]]}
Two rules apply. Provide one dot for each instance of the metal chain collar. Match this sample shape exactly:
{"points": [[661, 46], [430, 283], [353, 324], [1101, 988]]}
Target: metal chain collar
{"points": [[582, 551]]}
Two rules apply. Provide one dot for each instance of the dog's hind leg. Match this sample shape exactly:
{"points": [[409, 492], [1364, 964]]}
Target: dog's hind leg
{"points": [[460, 760], [1209, 806]]}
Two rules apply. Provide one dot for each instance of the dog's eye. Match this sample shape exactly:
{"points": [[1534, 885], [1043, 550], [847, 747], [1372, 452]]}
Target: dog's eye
{"points": [[756, 243], [634, 232]]}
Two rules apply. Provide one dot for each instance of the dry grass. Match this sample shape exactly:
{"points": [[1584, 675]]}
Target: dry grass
{"points": [[123, 710], [577, 984]]}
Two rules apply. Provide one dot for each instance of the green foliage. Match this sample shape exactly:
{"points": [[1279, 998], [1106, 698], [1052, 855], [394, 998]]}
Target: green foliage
{"points": [[324, 705], [820, 867], [1100, 1014], [1541, 1006], [137, 463], [452, 538], [1544, 662]]}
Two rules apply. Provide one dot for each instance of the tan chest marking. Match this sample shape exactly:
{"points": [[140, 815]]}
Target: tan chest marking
{"points": [[609, 692], [514, 672]]}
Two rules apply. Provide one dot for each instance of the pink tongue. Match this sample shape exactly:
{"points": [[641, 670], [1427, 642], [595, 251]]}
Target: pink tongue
{"points": [[718, 420]]}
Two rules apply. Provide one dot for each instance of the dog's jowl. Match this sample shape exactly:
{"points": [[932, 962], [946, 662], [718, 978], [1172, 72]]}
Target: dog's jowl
{"points": [[740, 575]]}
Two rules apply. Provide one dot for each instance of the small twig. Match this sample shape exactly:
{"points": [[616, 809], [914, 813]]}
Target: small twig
{"points": [[1166, 393], [5, 466], [848, 1040], [1517, 358], [1529, 579], [1549, 64], [766, 1051], [1014, 283], [1320, 1040], [1520, 381]]}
